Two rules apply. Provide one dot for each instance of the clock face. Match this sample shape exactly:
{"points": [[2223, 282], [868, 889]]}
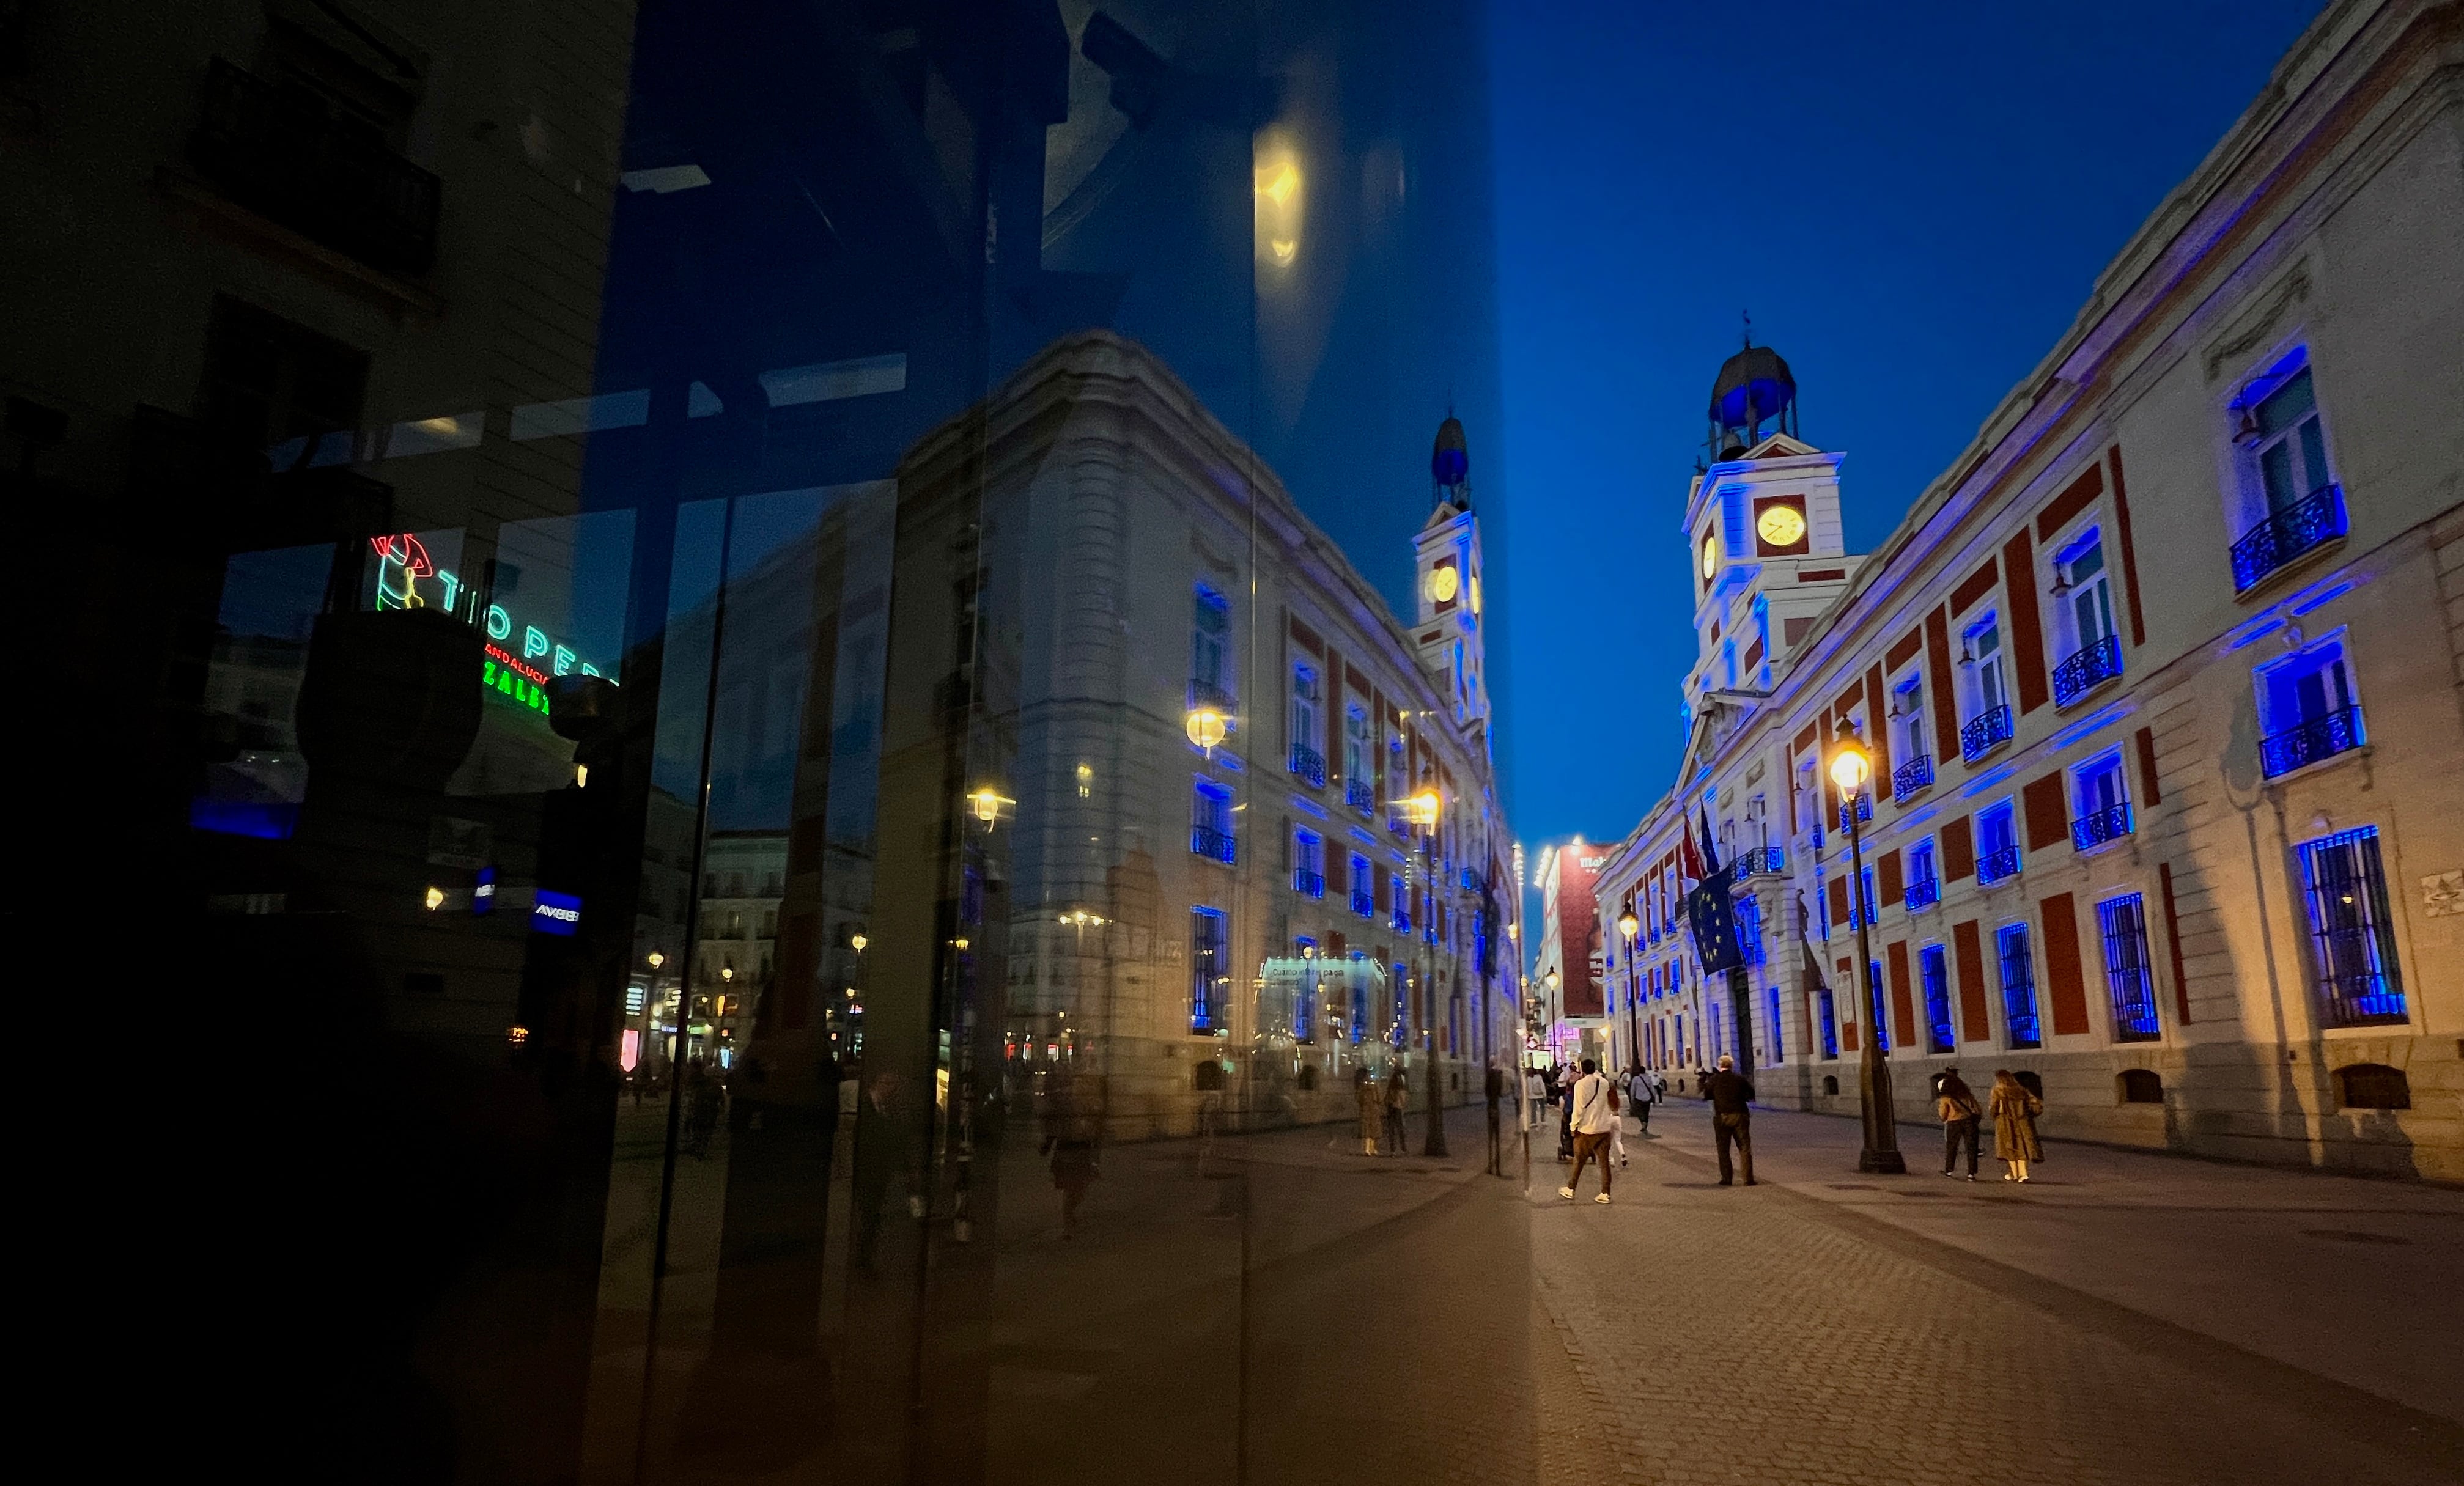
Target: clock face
{"points": [[1442, 584], [1711, 555], [1780, 525]]}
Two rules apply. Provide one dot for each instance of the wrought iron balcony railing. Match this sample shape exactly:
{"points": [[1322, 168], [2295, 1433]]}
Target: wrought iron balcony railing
{"points": [[1205, 841], [1399, 825], [1309, 884], [284, 153], [2303, 527], [1984, 732], [1924, 893], [1309, 764], [1865, 809], [2086, 670], [2361, 999], [1909, 777], [2307, 742], [2098, 826], [1364, 904], [1996, 866], [1762, 860], [1210, 693], [1359, 796]]}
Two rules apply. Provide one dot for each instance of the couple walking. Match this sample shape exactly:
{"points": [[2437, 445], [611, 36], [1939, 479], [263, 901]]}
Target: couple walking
{"points": [[1381, 1109], [2014, 1111]]}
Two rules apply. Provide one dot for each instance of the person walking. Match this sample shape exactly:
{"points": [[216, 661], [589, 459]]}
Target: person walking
{"points": [[1956, 1103], [1535, 1096], [1641, 1091], [1371, 1101], [1592, 1118], [1566, 1114], [1732, 1117], [1398, 1089], [2015, 1124]]}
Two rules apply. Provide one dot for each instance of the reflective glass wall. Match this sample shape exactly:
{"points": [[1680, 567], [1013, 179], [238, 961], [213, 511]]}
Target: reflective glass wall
{"points": [[789, 731]]}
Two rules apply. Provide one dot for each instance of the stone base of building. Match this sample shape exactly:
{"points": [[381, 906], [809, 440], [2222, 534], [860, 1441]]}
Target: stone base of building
{"points": [[2231, 1102]]}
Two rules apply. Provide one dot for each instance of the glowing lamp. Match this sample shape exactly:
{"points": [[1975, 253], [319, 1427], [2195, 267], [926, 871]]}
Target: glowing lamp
{"points": [[986, 805], [435, 899], [1850, 767], [1627, 923], [1205, 727], [656, 959], [1424, 807], [858, 943]]}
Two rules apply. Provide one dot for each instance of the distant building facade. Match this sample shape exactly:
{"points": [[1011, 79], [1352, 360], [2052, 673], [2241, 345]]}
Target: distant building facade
{"points": [[2160, 682]]}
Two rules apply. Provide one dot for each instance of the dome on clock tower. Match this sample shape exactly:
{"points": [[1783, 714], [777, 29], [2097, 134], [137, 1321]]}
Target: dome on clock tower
{"points": [[1754, 388]]}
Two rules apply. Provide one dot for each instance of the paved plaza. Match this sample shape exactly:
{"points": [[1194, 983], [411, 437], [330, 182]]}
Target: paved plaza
{"points": [[2124, 1316]]}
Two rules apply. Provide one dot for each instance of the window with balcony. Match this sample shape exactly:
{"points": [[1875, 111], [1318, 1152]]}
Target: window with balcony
{"points": [[1306, 760], [314, 147], [2307, 707], [1210, 660], [2083, 593], [1210, 822], [1911, 743], [2018, 977], [2298, 507], [1309, 863], [1364, 894], [1934, 975], [1924, 876], [2128, 972], [1210, 976], [2352, 931], [1997, 843], [2102, 808], [1988, 723], [1359, 760]]}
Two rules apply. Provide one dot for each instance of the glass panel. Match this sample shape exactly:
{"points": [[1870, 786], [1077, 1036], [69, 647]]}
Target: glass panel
{"points": [[2286, 405]]}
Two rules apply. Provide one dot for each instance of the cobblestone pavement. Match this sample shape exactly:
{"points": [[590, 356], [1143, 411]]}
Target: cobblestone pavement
{"points": [[2126, 1318]]}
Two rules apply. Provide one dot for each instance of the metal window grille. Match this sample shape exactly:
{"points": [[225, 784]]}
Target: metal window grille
{"points": [[1207, 981], [1778, 1052], [1875, 1010], [2018, 986], [1830, 1023], [2351, 929], [1934, 968], [2128, 972]]}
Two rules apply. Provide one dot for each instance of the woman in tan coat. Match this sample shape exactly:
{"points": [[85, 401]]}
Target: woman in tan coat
{"points": [[1373, 1109], [2015, 1124]]}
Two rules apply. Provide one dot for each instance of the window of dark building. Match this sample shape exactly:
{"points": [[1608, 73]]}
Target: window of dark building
{"points": [[2142, 1087], [275, 386]]}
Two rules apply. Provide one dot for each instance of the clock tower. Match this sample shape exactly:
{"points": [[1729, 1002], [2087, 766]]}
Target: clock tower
{"points": [[1448, 587], [1762, 530]]}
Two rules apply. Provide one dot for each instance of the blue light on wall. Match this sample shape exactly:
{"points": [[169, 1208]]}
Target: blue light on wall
{"points": [[556, 913]]}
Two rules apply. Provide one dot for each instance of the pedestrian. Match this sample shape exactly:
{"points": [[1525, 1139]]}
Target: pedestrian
{"points": [[1732, 1117], [1566, 1115], [1372, 1101], [1073, 1115], [1398, 1089], [1617, 1116], [1641, 1091], [2015, 1124], [1535, 1096], [1593, 1119], [1956, 1103]]}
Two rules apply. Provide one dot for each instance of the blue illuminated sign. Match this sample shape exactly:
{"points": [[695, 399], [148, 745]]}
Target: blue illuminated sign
{"points": [[483, 896], [556, 912]]}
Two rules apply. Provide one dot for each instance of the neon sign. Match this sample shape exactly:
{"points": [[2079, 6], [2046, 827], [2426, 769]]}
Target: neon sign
{"points": [[556, 913], [406, 572]]}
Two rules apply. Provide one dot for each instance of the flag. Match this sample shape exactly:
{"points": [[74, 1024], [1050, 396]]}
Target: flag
{"points": [[1713, 919], [1710, 853], [1690, 861]]}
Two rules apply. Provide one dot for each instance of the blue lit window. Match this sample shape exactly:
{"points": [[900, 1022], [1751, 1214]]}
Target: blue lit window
{"points": [[2307, 707], [2291, 447], [2018, 985], [1830, 1012], [2127, 971], [1997, 843], [1210, 820], [2352, 933], [1875, 1010], [1364, 896], [1777, 1054], [1400, 1032], [1304, 994], [1309, 863], [1749, 928], [2102, 804], [1209, 676], [1359, 1006], [1209, 971], [1933, 970]]}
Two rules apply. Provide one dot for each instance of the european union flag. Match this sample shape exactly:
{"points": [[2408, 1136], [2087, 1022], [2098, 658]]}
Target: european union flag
{"points": [[1714, 922]]}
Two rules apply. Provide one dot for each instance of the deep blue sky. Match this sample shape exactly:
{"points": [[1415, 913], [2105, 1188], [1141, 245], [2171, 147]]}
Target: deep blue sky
{"points": [[1913, 200]]}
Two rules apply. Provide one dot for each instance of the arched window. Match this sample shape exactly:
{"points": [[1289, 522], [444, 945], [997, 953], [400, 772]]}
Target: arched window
{"points": [[1208, 1075], [2372, 1087], [1830, 1083], [2142, 1087]]}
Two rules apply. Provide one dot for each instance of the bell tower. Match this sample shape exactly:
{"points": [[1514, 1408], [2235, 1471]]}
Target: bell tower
{"points": [[1447, 585]]}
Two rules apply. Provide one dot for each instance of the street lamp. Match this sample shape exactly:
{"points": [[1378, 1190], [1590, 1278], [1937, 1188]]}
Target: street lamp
{"points": [[1422, 810], [1851, 767], [1629, 926]]}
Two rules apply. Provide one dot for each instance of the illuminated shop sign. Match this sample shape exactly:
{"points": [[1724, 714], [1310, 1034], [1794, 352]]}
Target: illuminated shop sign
{"points": [[522, 658], [556, 913]]}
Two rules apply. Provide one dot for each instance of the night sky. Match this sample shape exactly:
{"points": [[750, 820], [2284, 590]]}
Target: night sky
{"points": [[1912, 199]]}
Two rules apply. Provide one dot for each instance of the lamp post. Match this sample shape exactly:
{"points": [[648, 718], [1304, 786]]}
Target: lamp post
{"points": [[1425, 806], [1850, 769], [1627, 926]]}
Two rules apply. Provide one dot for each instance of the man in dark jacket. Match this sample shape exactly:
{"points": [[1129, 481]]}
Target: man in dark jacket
{"points": [[1731, 1117]]}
